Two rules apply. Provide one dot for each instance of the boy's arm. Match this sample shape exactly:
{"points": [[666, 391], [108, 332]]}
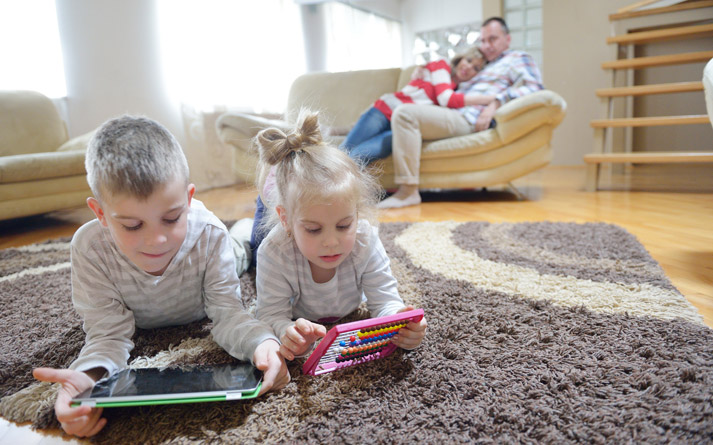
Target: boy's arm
{"points": [[234, 329], [107, 322], [378, 283]]}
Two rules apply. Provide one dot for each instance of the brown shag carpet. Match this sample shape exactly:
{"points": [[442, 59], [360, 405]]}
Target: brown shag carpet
{"points": [[538, 332]]}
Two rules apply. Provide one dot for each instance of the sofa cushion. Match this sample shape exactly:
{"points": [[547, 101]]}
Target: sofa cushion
{"points": [[29, 123], [463, 157], [44, 187], [35, 166], [357, 91], [78, 143], [501, 174], [518, 117]]}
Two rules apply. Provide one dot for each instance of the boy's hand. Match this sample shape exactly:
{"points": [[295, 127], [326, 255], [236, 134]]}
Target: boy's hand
{"points": [[81, 421], [411, 336], [268, 359], [299, 337]]}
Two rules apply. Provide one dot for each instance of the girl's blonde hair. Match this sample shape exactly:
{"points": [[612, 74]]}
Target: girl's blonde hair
{"points": [[309, 171]]}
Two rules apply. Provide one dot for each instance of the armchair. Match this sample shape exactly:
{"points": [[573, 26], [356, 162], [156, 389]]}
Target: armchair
{"points": [[41, 169]]}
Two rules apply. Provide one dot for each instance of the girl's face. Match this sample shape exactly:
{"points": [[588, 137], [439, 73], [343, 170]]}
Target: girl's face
{"points": [[467, 68], [325, 234]]}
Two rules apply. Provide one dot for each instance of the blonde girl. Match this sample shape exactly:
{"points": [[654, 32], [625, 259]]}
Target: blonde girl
{"points": [[323, 256]]}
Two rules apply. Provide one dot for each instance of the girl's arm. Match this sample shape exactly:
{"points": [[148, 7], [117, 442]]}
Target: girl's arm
{"points": [[378, 283], [274, 291], [380, 288]]}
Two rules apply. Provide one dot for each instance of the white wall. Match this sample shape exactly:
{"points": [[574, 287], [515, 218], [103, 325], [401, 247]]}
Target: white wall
{"points": [[112, 63]]}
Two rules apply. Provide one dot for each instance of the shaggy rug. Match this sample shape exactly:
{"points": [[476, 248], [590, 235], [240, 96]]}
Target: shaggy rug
{"points": [[538, 332]]}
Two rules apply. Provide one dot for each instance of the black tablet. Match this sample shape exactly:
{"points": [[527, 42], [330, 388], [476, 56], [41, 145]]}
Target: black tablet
{"points": [[187, 384]]}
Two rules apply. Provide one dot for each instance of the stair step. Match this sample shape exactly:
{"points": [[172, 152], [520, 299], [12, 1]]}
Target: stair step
{"points": [[650, 121], [627, 14], [678, 32], [641, 90], [650, 157], [668, 59]]}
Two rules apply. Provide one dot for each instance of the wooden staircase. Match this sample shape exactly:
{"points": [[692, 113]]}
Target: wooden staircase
{"points": [[631, 27]]}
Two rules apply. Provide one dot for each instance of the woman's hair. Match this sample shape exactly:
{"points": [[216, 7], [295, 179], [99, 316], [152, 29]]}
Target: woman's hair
{"points": [[309, 171], [470, 53]]}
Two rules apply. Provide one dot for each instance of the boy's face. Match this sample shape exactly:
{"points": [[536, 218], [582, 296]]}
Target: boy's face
{"points": [[324, 233], [148, 232]]}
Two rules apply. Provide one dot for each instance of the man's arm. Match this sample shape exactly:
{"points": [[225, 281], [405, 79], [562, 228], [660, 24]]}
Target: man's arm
{"points": [[524, 76], [479, 99]]}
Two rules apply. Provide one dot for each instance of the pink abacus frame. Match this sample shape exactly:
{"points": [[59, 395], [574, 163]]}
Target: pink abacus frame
{"points": [[374, 342]]}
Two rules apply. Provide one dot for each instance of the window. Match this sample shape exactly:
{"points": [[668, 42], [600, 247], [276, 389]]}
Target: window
{"points": [[444, 43], [358, 40], [30, 48], [524, 18], [240, 54]]}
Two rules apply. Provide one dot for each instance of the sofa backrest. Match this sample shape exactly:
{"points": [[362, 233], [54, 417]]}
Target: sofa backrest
{"points": [[340, 98], [29, 123]]}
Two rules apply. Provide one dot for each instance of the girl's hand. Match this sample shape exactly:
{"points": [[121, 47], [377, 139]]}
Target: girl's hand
{"points": [[298, 338], [411, 336]]}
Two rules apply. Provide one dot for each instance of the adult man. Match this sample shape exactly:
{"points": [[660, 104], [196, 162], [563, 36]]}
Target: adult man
{"points": [[508, 75]]}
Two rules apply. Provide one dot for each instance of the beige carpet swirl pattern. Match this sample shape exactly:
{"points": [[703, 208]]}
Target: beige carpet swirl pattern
{"points": [[538, 332]]}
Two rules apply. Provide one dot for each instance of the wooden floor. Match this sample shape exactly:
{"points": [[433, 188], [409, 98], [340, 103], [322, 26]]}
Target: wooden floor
{"points": [[669, 208]]}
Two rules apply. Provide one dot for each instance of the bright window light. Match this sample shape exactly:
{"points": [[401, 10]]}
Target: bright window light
{"points": [[30, 48], [358, 40], [238, 54]]}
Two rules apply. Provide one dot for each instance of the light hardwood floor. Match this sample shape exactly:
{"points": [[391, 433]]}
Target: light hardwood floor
{"points": [[669, 208]]}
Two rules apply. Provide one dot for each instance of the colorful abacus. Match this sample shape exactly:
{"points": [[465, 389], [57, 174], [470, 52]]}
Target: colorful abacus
{"points": [[357, 342]]}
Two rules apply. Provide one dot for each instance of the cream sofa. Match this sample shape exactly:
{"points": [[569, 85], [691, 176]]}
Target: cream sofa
{"points": [[518, 145], [41, 169]]}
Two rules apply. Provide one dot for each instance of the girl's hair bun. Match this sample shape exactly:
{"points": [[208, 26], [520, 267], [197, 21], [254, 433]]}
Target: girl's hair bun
{"points": [[275, 145]]}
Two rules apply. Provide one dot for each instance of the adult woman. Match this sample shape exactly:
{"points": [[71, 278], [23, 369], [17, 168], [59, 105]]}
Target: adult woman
{"points": [[432, 84]]}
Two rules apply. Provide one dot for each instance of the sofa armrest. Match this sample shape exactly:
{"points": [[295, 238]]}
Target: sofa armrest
{"points": [[238, 129], [34, 166], [522, 115]]}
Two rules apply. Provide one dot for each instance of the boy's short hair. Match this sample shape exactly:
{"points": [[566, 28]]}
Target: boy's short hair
{"points": [[133, 155]]}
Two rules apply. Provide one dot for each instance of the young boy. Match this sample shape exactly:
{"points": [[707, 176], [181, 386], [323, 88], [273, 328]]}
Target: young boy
{"points": [[153, 257]]}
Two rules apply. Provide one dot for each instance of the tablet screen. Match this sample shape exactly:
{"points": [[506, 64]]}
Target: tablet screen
{"points": [[218, 382]]}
